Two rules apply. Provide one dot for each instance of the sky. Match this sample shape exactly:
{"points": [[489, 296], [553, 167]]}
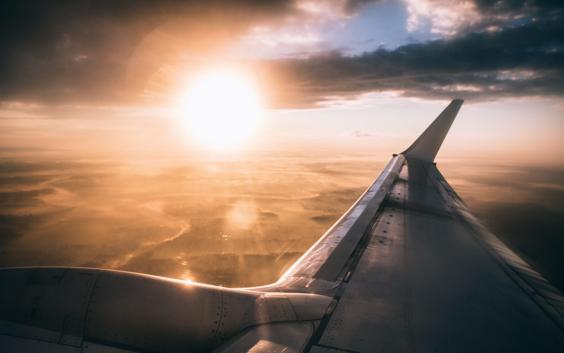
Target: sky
{"points": [[326, 70], [97, 100]]}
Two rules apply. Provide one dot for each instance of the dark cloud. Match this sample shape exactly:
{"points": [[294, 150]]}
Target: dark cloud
{"points": [[524, 60], [518, 6], [79, 50], [84, 51]]}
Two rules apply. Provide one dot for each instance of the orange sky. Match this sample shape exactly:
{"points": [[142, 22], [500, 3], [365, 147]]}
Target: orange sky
{"points": [[522, 131]]}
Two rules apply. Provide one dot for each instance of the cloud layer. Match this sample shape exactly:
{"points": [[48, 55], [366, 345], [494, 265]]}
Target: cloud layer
{"points": [[81, 51], [525, 60], [240, 223]]}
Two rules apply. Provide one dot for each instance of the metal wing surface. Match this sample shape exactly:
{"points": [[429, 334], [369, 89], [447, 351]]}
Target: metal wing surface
{"points": [[406, 269]]}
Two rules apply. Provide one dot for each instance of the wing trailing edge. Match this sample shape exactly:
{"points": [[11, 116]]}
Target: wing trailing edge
{"points": [[426, 147]]}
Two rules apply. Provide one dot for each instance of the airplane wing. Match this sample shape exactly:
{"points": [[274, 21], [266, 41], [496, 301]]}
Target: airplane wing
{"points": [[406, 269]]}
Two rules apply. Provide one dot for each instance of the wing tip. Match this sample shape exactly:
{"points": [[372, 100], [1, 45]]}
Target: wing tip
{"points": [[427, 145]]}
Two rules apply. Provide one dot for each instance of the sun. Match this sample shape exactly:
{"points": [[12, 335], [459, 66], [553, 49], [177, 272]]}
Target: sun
{"points": [[221, 109]]}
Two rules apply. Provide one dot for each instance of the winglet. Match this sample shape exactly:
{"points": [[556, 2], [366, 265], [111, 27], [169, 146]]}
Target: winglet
{"points": [[427, 145]]}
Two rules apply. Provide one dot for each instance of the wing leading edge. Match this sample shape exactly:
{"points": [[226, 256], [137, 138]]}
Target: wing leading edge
{"points": [[329, 260], [415, 271], [427, 146]]}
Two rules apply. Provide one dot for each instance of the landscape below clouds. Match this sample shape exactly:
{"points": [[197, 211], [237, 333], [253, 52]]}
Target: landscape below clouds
{"points": [[240, 222]]}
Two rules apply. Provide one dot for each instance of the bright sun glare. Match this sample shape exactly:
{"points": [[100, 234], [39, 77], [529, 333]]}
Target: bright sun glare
{"points": [[221, 109]]}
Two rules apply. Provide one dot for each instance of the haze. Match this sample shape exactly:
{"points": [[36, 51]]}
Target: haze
{"points": [[100, 165]]}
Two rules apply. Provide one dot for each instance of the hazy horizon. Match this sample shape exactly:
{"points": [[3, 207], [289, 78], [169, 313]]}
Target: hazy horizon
{"points": [[216, 141], [240, 222]]}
